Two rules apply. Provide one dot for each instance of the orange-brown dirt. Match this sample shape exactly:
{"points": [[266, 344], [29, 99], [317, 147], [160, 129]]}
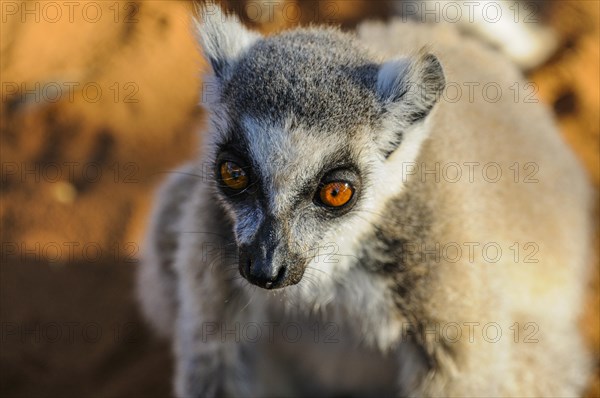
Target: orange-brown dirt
{"points": [[78, 173]]}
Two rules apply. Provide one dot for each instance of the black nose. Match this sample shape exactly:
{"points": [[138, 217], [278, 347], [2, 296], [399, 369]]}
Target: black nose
{"points": [[261, 273], [267, 277]]}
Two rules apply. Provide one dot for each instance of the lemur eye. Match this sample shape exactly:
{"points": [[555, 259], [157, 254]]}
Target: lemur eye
{"points": [[233, 176], [336, 194]]}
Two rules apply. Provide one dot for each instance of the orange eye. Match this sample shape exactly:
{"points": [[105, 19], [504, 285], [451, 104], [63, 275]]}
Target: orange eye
{"points": [[233, 176], [336, 194]]}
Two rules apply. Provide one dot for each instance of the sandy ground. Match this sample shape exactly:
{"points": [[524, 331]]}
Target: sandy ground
{"points": [[74, 331]]}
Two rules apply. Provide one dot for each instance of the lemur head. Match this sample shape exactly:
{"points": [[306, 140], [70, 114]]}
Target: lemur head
{"points": [[308, 132]]}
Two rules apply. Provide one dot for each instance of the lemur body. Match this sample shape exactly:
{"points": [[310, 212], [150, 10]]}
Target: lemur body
{"points": [[310, 106]]}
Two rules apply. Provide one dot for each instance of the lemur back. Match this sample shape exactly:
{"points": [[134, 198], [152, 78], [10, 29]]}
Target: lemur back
{"points": [[454, 265]]}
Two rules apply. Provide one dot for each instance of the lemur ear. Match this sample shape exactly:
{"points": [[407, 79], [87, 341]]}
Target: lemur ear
{"points": [[223, 38], [409, 88]]}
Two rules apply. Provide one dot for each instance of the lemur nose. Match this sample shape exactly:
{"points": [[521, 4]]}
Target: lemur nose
{"points": [[265, 275], [256, 259]]}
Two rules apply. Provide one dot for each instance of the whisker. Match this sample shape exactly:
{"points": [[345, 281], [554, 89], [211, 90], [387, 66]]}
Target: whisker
{"points": [[250, 300], [203, 177]]}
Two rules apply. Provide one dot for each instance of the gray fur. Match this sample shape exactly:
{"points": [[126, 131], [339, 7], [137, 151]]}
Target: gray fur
{"points": [[292, 108]]}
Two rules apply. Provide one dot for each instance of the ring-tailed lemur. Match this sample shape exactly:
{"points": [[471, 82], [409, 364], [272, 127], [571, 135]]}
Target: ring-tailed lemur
{"points": [[329, 247]]}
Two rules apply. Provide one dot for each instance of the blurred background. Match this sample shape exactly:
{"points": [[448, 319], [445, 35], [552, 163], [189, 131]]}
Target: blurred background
{"points": [[99, 102]]}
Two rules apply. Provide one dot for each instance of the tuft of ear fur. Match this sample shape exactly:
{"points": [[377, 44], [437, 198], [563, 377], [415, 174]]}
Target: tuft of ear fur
{"points": [[223, 38], [408, 88]]}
